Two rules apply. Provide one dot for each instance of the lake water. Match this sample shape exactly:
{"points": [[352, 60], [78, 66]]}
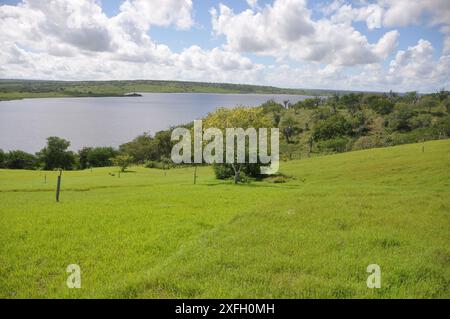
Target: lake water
{"points": [[109, 121]]}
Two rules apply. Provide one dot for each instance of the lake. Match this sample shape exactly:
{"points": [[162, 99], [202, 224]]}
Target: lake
{"points": [[109, 121]]}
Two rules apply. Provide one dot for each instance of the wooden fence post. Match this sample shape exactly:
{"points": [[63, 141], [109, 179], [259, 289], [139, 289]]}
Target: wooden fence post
{"points": [[195, 174], [58, 186]]}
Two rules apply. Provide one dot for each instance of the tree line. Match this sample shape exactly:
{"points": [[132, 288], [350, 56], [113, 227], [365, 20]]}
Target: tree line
{"points": [[339, 123]]}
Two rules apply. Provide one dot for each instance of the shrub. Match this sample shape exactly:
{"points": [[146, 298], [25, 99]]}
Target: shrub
{"points": [[223, 171], [2, 159], [152, 164], [338, 144], [334, 126], [366, 142], [101, 156], [20, 160], [122, 161]]}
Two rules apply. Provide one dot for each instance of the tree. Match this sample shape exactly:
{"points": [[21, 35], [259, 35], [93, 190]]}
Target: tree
{"points": [[141, 148], [122, 161], [399, 120], [412, 97], [147, 148], [2, 159], [83, 157], [381, 105], [100, 156], [443, 94], [275, 109], [239, 117], [20, 160], [55, 154], [352, 102], [163, 144], [428, 102], [447, 104], [334, 126], [288, 126]]}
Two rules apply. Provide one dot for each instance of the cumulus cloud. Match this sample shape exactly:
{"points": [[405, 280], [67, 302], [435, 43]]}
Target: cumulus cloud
{"points": [[410, 70], [406, 12], [75, 39], [286, 30], [391, 13]]}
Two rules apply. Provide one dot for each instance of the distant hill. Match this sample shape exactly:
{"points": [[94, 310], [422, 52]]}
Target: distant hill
{"points": [[18, 89]]}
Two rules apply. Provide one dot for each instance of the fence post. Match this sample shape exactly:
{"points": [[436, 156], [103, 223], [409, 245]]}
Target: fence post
{"points": [[58, 186], [195, 174]]}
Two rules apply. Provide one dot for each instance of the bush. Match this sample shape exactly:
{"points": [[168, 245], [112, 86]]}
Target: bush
{"points": [[416, 136], [443, 126], [100, 156], [334, 126], [420, 121], [2, 159], [338, 144], [382, 105], [223, 171], [399, 120], [366, 142], [20, 160]]}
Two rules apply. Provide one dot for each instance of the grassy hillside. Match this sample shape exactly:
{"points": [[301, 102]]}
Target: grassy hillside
{"points": [[152, 233], [18, 89]]}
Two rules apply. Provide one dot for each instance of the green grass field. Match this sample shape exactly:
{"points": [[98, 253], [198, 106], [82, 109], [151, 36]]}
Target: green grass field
{"points": [[153, 234]]}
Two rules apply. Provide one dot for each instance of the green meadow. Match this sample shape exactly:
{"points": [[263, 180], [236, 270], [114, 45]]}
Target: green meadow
{"points": [[153, 234]]}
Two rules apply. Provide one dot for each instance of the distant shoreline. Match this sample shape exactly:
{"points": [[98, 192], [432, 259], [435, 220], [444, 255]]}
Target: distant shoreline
{"points": [[22, 89], [141, 95]]}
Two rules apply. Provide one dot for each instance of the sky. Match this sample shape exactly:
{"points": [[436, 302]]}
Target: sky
{"points": [[379, 45]]}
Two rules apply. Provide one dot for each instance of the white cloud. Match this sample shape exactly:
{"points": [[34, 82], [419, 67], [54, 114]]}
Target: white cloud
{"points": [[342, 12], [62, 39], [75, 40], [410, 70], [391, 13], [253, 4], [407, 12], [286, 30]]}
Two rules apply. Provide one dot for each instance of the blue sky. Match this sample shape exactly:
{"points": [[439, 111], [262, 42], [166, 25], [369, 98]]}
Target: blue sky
{"points": [[380, 45], [201, 33]]}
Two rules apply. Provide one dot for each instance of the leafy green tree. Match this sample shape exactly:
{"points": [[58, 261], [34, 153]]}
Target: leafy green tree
{"points": [[55, 154], [123, 161], [239, 117], [334, 126], [100, 156], [382, 105], [412, 97], [352, 102], [274, 109], [337, 144], [20, 160], [443, 94], [2, 159], [83, 157], [141, 148], [446, 103], [288, 126], [162, 144], [400, 119], [428, 102]]}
